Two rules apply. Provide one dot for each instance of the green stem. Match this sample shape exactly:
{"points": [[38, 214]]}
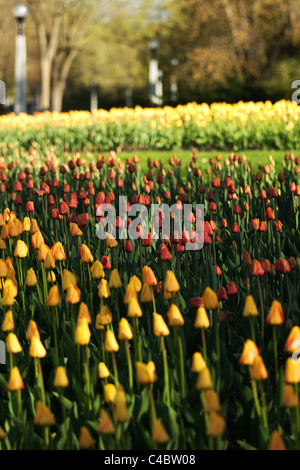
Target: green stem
{"points": [[166, 371], [129, 365]]}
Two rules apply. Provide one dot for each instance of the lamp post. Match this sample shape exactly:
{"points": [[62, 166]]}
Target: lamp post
{"points": [[94, 96], [173, 81], [20, 13], [153, 71]]}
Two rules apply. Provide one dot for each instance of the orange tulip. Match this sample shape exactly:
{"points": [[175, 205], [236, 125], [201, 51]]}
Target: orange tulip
{"points": [[15, 381], [159, 433], [85, 440], [44, 416], [148, 276], [73, 294], [249, 353], [21, 250], [174, 316], [53, 297], [276, 442], [85, 254], [58, 252], [275, 315]]}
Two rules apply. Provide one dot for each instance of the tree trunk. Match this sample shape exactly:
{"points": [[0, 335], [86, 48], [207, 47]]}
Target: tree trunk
{"points": [[60, 73], [45, 83]]}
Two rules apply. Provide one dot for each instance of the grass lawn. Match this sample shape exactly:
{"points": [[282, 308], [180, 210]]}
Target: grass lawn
{"points": [[253, 156]]}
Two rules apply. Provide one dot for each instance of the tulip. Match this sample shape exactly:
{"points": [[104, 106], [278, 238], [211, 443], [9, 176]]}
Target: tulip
{"points": [[73, 294], [145, 373], [110, 393], [103, 289], [85, 440], [75, 230], [115, 280], [103, 371], [44, 416], [8, 322], [103, 318], [32, 330], [61, 379], [58, 252], [257, 369], [36, 348], [204, 380], [293, 340], [249, 353], [159, 326], [212, 402], [276, 442], [148, 276], [174, 316], [31, 279], [10, 291], [82, 332], [84, 312], [289, 399], [216, 425], [210, 299], [53, 298], [292, 371], [171, 283], [15, 382], [198, 363], [106, 425], [146, 294], [85, 254], [4, 268], [68, 278], [12, 344], [21, 250], [159, 433], [120, 403], [97, 271]]}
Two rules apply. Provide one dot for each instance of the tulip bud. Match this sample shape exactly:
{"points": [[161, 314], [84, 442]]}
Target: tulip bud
{"points": [[58, 252], [44, 416], [275, 315], [212, 403], [258, 370], [276, 442], [31, 279], [204, 380], [249, 353], [250, 308], [159, 433], [202, 320], [159, 326], [61, 380], [85, 440], [21, 250], [125, 332], [145, 373], [53, 299], [198, 363], [103, 371], [174, 316], [106, 425], [73, 294], [110, 342], [216, 425], [110, 392], [82, 332], [8, 322], [289, 399], [97, 271], [15, 381], [115, 280], [210, 299]]}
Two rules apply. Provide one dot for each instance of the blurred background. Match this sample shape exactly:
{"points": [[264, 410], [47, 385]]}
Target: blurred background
{"points": [[206, 51]]}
